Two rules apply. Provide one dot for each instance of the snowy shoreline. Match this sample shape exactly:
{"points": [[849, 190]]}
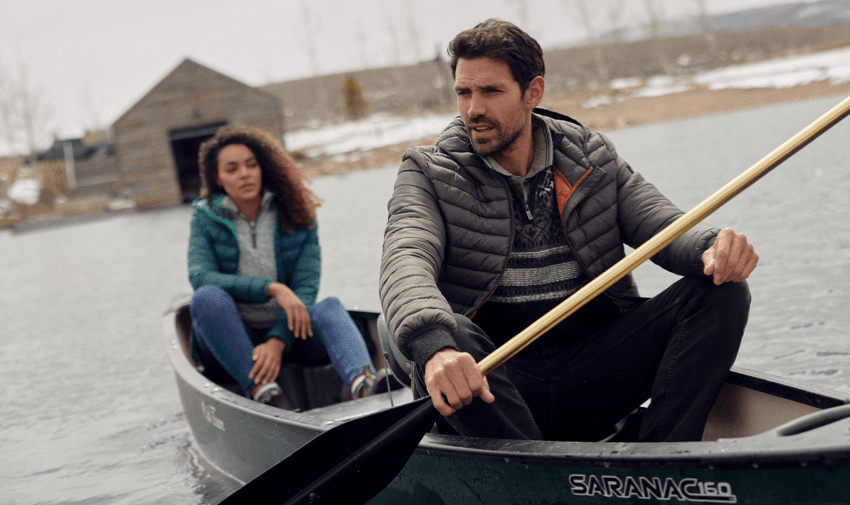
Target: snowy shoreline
{"points": [[381, 130], [352, 145]]}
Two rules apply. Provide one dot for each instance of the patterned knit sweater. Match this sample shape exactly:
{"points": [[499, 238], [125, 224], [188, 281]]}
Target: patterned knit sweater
{"points": [[541, 270]]}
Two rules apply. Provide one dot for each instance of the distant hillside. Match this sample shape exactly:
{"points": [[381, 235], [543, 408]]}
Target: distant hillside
{"points": [[824, 13], [575, 67], [745, 36], [817, 14], [314, 101]]}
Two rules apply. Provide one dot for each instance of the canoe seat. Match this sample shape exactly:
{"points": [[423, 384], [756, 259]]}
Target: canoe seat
{"points": [[310, 387], [306, 386], [401, 367]]}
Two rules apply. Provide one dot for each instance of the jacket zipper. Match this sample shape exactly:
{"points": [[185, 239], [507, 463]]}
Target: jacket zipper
{"points": [[528, 213], [510, 248], [253, 225]]}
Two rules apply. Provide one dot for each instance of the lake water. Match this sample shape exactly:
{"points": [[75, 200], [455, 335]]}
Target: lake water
{"points": [[89, 411]]}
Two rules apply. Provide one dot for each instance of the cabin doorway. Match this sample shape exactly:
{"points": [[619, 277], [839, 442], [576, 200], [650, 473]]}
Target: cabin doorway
{"points": [[185, 143]]}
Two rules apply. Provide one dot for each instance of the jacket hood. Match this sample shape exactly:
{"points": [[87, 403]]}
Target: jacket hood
{"points": [[454, 146], [216, 209]]}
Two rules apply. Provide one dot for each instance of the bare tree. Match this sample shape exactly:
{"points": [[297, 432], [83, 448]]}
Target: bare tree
{"points": [[587, 21], [702, 17], [92, 117], [414, 38], [392, 33], [522, 14], [354, 103], [7, 113], [31, 109], [655, 12], [311, 33], [362, 46], [615, 10], [23, 114]]}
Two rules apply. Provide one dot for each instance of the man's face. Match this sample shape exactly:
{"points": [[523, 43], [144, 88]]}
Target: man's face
{"points": [[491, 104]]}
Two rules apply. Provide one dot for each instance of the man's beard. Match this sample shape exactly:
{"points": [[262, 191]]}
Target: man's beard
{"points": [[504, 140]]}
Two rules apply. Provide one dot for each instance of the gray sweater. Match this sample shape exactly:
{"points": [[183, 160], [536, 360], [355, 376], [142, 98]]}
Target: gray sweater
{"points": [[256, 258]]}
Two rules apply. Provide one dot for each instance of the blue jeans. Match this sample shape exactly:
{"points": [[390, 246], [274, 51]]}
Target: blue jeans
{"points": [[225, 342], [675, 348]]}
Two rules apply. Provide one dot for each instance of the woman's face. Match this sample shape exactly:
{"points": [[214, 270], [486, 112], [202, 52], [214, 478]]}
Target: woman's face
{"points": [[239, 173]]}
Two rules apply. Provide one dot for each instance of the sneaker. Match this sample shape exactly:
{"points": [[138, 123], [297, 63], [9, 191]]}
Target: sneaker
{"points": [[271, 394], [372, 383]]}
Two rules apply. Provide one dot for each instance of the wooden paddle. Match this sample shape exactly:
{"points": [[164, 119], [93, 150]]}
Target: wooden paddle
{"points": [[354, 461]]}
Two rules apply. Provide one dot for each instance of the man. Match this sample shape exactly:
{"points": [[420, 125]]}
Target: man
{"points": [[513, 209]]}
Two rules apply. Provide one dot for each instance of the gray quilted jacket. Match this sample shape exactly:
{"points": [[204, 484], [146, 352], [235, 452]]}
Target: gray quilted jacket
{"points": [[450, 228]]}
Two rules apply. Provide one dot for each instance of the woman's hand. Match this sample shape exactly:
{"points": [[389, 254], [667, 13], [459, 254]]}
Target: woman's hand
{"points": [[267, 358], [297, 317]]}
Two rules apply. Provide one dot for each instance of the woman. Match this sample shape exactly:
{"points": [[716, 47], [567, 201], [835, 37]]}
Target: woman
{"points": [[254, 262]]}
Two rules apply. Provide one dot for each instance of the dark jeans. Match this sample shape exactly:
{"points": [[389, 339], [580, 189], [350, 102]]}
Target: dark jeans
{"points": [[675, 348]]}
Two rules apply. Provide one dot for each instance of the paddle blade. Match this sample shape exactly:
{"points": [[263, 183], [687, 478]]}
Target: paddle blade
{"points": [[349, 463]]}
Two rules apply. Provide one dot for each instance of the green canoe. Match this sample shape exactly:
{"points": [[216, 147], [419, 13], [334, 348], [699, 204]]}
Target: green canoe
{"points": [[768, 441]]}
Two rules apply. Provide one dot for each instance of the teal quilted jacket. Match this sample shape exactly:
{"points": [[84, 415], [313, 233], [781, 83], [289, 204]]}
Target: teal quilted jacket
{"points": [[214, 257]]}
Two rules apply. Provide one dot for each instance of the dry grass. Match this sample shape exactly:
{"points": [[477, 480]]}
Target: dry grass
{"points": [[53, 186], [699, 101], [428, 86], [572, 76]]}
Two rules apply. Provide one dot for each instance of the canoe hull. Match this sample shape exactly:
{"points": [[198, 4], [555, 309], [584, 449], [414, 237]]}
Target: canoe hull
{"points": [[431, 479], [804, 461]]}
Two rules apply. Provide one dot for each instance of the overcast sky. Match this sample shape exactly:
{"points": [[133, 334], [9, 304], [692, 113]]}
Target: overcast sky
{"points": [[91, 60]]}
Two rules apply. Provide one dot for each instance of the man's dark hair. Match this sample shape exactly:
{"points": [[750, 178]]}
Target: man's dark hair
{"points": [[499, 39]]}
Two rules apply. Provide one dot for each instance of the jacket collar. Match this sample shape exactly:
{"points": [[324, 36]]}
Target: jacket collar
{"points": [[225, 202], [543, 154], [223, 208], [455, 143]]}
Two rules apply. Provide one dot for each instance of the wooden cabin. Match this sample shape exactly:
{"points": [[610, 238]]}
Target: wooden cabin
{"points": [[156, 141]]}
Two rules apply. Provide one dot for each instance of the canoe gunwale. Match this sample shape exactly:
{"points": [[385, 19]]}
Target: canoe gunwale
{"points": [[727, 454], [319, 419], [809, 441], [779, 386]]}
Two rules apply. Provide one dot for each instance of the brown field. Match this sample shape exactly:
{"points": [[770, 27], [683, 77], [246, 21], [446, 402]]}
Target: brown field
{"points": [[572, 76], [631, 112], [413, 89]]}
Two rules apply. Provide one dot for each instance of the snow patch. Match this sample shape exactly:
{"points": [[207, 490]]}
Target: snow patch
{"points": [[379, 130], [25, 191], [347, 140]]}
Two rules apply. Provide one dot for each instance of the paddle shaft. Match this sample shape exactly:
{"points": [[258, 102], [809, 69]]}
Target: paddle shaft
{"points": [[417, 422], [661, 240]]}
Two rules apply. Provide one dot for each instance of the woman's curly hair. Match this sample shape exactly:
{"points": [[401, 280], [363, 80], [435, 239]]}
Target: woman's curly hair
{"points": [[295, 202]]}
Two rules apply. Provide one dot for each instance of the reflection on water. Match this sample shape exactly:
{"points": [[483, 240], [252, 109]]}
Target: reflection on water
{"points": [[796, 216], [90, 408]]}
